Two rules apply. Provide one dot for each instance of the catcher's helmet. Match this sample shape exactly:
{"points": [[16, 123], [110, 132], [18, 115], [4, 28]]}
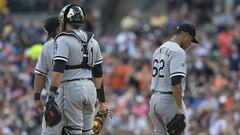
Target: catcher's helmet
{"points": [[72, 14]]}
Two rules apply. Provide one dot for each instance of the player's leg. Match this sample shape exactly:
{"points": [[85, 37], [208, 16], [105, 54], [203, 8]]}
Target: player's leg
{"points": [[89, 108], [73, 100], [158, 124], [171, 110]]}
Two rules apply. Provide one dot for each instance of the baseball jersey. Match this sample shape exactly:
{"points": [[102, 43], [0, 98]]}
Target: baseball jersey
{"points": [[70, 49], [45, 65], [168, 60]]}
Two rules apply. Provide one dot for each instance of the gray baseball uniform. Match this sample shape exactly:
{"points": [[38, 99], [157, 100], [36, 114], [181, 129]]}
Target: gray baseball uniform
{"points": [[77, 91], [168, 60], [44, 67]]}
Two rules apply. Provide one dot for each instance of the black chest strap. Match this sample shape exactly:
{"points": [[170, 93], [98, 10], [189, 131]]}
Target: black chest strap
{"points": [[84, 63]]}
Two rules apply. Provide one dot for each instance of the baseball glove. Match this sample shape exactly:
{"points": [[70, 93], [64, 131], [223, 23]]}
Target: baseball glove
{"points": [[176, 125], [100, 119], [52, 113]]}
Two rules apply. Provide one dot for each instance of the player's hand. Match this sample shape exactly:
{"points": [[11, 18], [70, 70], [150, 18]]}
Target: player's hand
{"points": [[38, 106]]}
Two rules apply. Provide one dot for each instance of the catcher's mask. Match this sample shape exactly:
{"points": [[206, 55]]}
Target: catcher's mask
{"points": [[72, 14]]}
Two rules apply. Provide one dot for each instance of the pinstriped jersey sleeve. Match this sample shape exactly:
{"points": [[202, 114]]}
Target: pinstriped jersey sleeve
{"points": [[41, 67], [62, 49], [178, 64]]}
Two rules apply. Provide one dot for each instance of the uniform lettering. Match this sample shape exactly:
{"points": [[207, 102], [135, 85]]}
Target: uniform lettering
{"points": [[165, 51]]}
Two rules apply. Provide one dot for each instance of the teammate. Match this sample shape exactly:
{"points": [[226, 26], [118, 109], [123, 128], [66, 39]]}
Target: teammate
{"points": [[167, 109], [77, 73], [43, 69]]}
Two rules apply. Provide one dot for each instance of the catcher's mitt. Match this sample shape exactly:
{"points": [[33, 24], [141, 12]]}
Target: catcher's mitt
{"points": [[176, 125], [52, 113], [100, 119]]}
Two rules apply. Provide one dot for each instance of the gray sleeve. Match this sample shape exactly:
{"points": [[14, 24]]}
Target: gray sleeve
{"points": [[178, 64], [41, 67], [98, 58], [62, 49]]}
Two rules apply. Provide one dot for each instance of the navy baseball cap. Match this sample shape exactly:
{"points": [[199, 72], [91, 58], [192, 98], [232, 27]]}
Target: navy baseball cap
{"points": [[51, 24], [185, 27]]}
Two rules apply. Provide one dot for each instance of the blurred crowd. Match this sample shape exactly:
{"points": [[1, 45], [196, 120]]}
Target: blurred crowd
{"points": [[212, 93]]}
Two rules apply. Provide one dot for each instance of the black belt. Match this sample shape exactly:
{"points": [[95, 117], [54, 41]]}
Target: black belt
{"points": [[77, 79], [84, 66], [162, 92]]}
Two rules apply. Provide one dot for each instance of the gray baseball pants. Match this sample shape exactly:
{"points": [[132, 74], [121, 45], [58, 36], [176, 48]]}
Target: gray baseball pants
{"points": [[163, 108], [76, 100]]}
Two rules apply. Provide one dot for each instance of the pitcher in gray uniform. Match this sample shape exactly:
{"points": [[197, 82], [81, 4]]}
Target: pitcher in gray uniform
{"points": [[77, 73], [43, 71], [169, 71]]}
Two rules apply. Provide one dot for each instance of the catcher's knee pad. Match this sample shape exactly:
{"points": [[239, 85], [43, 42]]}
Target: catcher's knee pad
{"points": [[67, 130]]}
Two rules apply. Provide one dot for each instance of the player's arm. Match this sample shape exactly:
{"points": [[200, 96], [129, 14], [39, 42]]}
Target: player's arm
{"points": [[60, 60], [39, 80], [97, 72], [97, 79], [177, 73], [58, 70], [177, 91]]}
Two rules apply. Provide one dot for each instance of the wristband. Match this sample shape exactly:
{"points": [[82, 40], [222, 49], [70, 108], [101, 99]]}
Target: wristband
{"points": [[37, 96], [101, 94]]}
